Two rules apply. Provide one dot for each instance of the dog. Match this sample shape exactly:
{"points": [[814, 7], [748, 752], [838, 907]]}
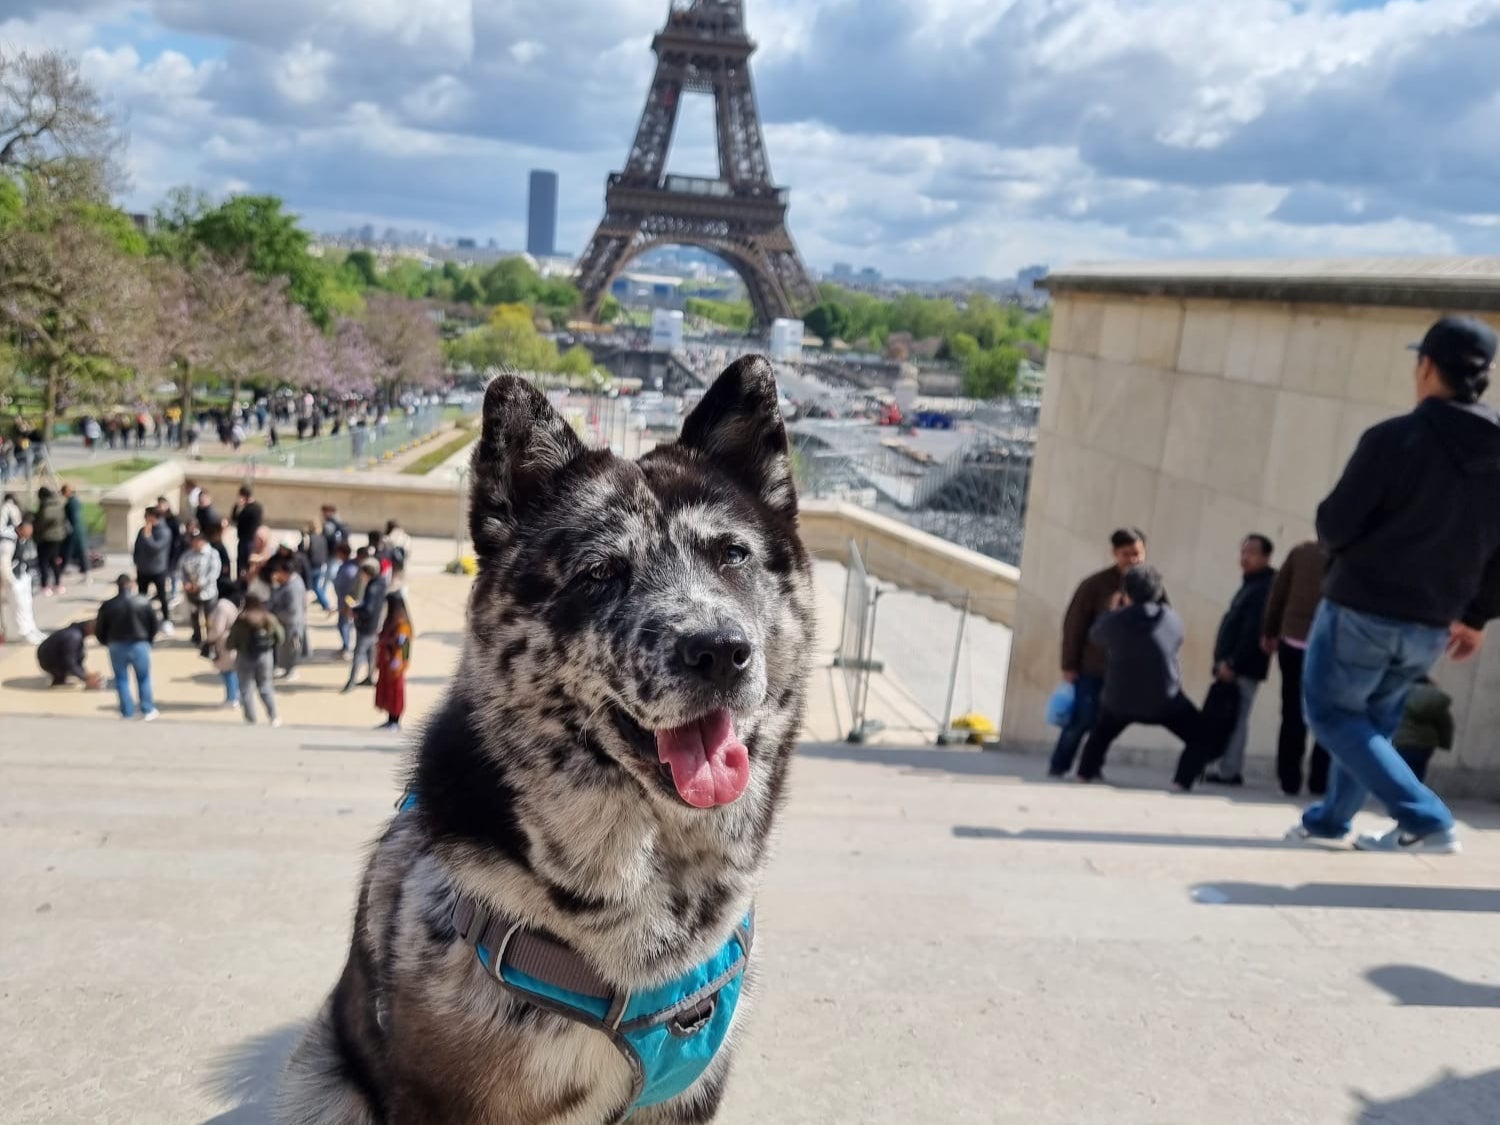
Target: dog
{"points": [[556, 927]]}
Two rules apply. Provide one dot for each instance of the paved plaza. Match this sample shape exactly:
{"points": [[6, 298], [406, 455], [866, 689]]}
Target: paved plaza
{"points": [[945, 936]]}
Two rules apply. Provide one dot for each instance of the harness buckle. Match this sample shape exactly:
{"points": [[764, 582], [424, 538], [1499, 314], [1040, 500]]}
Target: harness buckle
{"points": [[686, 1024]]}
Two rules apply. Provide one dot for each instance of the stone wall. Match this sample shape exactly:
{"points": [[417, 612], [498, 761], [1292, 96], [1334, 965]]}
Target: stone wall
{"points": [[1203, 418]]}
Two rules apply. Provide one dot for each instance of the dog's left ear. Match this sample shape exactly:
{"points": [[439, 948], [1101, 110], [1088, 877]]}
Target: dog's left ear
{"points": [[738, 428]]}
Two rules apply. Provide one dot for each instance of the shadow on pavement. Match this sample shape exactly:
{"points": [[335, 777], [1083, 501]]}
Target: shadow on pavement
{"points": [[246, 1075], [40, 682], [966, 763], [1130, 839], [1451, 1100], [1416, 987], [1352, 896]]}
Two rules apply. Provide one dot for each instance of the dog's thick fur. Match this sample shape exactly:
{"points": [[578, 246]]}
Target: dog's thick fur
{"points": [[539, 788]]}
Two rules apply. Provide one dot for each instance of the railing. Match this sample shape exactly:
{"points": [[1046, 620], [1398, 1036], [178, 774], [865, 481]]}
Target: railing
{"points": [[354, 447], [920, 656]]}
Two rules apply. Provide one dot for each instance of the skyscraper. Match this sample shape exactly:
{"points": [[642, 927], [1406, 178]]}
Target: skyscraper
{"points": [[541, 220]]}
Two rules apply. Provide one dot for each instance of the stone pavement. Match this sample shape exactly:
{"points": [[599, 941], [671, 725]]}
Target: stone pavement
{"points": [[944, 938], [944, 935]]}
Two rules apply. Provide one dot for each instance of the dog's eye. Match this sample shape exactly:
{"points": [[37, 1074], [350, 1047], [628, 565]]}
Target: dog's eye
{"points": [[606, 570], [736, 554]]}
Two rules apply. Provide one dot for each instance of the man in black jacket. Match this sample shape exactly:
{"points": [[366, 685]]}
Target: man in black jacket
{"points": [[1239, 658], [127, 626], [1413, 535], [61, 655], [248, 517]]}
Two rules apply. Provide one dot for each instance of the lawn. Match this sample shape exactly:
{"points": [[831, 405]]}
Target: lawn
{"points": [[429, 461], [110, 473]]}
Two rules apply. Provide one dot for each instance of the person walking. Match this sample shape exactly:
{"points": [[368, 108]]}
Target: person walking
{"points": [[315, 547], [1142, 642], [50, 528], [76, 550], [288, 603], [254, 637], [1239, 658], [179, 535], [225, 612], [127, 625], [199, 572], [366, 616], [1415, 548], [153, 560], [393, 656], [61, 656], [1426, 725], [345, 576], [1083, 660], [248, 518], [1289, 616]]}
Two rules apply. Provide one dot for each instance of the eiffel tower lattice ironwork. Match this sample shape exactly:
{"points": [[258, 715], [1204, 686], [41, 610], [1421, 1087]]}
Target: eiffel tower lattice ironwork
{"points": [[741, 216]]}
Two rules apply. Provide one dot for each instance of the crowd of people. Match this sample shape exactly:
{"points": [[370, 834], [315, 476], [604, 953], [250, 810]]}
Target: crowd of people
{"points": [[247, 615], [1406, 567]]}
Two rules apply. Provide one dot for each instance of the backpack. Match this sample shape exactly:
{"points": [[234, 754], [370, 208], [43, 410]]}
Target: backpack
{"points": [[262, 641]]}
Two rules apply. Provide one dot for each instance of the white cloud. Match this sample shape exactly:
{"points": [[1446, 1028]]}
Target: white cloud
{"points": [[301, 75], [927, 137]]}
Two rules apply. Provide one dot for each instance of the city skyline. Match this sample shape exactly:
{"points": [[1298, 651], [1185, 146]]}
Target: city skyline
{"points": [[1010, 134]]}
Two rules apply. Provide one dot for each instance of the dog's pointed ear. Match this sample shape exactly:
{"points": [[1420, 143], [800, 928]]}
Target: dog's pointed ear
{"points": [[738, 428], [523, 444]]}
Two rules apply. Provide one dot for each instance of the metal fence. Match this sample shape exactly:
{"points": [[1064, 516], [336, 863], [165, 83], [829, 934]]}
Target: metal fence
{"points": [[358, 447], [919, 656], [975, 498]]}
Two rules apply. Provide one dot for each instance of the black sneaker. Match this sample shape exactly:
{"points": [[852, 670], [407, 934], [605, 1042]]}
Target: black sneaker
{"points": [[1234, 782]]}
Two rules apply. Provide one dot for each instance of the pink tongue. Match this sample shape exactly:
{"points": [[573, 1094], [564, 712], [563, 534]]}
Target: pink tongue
{"points": [[710, 765]]}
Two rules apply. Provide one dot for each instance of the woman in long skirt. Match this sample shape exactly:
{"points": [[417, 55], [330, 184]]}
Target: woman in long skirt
{"points": [[393, 655]]}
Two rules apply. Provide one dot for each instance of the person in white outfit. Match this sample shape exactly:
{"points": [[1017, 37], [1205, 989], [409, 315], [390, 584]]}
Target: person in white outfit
{"points": [[17, 564]]}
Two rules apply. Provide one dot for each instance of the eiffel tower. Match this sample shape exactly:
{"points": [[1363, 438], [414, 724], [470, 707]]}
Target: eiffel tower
{"points": [[741, 216]]}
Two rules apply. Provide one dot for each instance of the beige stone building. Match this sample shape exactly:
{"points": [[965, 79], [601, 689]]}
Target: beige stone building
{"points": [[1204, 401]]}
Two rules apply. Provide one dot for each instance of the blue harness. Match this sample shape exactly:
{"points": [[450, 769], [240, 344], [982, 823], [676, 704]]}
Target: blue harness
{"points": [[668, 1035]]}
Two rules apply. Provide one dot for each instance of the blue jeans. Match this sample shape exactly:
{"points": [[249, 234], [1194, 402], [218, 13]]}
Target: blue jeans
{"points": [[1359, 670], [320, 587], [126, 657], [231, 680], [1086, 694], [346, 633]]}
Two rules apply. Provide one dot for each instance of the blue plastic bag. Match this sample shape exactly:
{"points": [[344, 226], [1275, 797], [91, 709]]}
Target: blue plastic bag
{"points": [[1060, 705]]}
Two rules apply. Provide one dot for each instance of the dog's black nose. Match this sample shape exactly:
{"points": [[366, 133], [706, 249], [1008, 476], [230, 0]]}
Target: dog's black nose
{"points": [[719, 656]]}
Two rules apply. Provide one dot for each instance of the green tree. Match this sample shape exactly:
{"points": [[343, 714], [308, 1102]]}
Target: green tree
{"points": [[254, 229], [994, 373], [609, 309], [510, 281], [576, 361], [362, 264], [828, 321], [468, 292]]}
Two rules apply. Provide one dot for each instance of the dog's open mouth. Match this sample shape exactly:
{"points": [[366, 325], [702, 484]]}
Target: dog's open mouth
{"points": [[708, 763]]}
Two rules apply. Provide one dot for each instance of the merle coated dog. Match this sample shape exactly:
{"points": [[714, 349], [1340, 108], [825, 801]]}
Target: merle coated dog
{"points": [[555, 927]]}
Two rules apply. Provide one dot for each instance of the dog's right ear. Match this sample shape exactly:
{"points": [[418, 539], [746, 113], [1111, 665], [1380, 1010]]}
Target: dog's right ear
{"points": [[524, 443]]}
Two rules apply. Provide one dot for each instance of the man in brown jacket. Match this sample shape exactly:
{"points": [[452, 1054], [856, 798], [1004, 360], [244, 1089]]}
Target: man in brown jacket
{"points": [[1082, 660], [1289, 617]]}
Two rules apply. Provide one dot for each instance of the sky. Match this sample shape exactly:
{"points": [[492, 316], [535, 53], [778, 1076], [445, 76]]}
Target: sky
{"points": [[926, 138]]}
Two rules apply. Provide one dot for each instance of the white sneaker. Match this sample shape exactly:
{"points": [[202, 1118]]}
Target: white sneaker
{"points": [[1299, 834], [1442, 842], [150, 716], [168, 629], [275, 722]]}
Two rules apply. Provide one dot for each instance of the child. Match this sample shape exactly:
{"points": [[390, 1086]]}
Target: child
{"points": [[255, 638], [1426, 725], [393, 656]]}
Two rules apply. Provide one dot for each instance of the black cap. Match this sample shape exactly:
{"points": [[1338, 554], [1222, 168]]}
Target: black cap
{"points": [[1463, 350]]}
